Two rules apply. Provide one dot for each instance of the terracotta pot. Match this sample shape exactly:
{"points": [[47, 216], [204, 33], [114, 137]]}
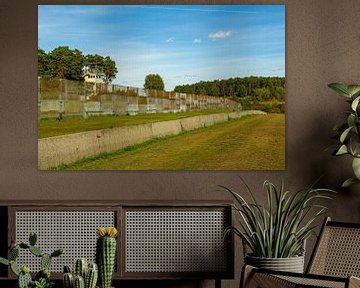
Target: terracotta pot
{"points": [[291, 264]]}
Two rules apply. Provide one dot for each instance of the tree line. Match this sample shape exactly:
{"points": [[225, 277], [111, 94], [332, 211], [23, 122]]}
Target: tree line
{"points": [[258, 88], [66, 63]]}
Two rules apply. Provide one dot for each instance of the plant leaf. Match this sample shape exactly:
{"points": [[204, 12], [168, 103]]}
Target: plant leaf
{"points": [[342, 150], [356, 167], [349, 182], [353, 89], [351, 119], [340, 88], [4, 261], [345, 134], [355, 103]]}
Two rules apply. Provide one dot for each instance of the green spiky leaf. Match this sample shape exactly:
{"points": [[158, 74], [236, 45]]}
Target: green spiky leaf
{"points": [[340, 88], [278, 229]]}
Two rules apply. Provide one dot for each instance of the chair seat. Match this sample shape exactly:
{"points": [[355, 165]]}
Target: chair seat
{"points": [[315, 282], [268, 279]]}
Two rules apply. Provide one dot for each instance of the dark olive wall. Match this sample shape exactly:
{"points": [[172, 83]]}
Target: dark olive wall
{"points": [[322, 46]]}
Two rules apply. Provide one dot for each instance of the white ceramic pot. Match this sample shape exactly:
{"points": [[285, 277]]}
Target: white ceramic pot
{"points": [[291, 264]]}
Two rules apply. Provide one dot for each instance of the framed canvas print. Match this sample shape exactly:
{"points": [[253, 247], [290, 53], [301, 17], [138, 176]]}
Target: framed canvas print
{"points": [[161, 87]]}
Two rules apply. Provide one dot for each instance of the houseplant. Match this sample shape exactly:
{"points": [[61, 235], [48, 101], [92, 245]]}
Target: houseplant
{"points": [[276, 233], [349, 132], [106, 254], [42, 278], [84, 274]]}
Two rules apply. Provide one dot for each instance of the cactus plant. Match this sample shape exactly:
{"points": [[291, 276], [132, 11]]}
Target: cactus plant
{"points": [[24, 277], [42, 278], [80, 267], [91, 276], [79, 282], [105, 254], [68, 280], [84, 274]]}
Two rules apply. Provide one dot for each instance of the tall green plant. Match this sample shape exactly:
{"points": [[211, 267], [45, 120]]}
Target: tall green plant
{"points": [[349, 132], [279, 229], [106, 254]]}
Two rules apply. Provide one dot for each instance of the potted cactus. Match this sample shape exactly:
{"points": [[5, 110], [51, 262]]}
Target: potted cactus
{"points": [[84, 275], [42, 278], [106, 254]]}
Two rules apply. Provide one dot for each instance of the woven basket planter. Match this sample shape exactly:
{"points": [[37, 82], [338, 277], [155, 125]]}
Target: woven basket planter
{"points": [[291, 264]]}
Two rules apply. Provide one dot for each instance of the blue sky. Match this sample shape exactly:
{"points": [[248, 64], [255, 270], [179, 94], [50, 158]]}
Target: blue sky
{"points": [[182, 43]]}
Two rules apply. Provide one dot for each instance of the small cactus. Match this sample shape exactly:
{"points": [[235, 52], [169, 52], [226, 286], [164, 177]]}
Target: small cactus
{"points": [[79, 282], [91, 276], [24, 277], [45, 261], [23, 273], [68, 280], [81, 266], [84, 274], [106, 254]]}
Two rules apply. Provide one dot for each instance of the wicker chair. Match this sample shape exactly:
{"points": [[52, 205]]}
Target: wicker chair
{"points": [[334, 263]]}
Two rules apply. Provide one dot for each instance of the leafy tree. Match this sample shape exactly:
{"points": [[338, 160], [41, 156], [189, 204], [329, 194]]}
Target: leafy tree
{"points": [[63, 62], [109, 69], [154, 82], [104, 65], [43, 63], [259, 88], [66, 63]]}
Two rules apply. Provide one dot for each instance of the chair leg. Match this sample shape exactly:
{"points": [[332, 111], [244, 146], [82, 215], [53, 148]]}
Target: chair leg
{"points": [[246, 273], [217, 283]]}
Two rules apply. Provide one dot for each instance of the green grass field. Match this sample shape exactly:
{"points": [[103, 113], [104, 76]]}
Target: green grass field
{"points": [[52, 127], [250, 143]]}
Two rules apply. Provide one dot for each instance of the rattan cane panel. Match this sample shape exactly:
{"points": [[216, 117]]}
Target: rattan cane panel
{"points": [[339, 253], [312, 282], [175, 241], [75, 231]]}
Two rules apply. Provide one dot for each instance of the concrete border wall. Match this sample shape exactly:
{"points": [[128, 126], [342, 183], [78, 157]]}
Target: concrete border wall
{"points": [[65, 149]]}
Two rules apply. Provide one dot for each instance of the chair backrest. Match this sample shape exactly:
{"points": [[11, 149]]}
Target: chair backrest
{"points": [[337, 251]]}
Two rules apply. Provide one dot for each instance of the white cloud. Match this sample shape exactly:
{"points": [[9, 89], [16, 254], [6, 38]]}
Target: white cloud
{"points": [[220, 34], [197, 41], [170, 40]]}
